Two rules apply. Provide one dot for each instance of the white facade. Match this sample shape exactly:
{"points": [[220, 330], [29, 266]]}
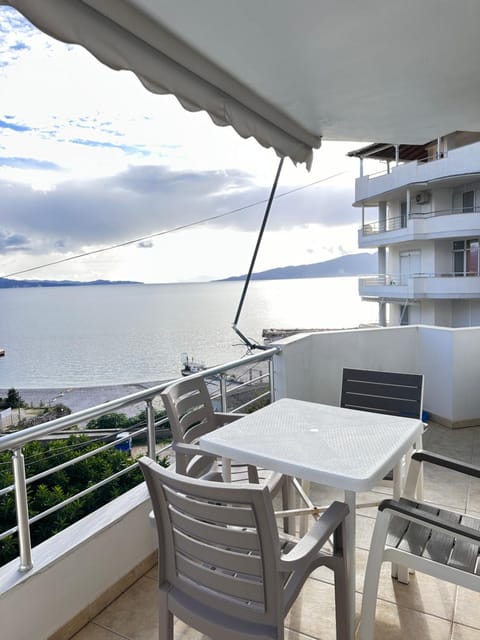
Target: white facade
{"points": [[426, 227]]}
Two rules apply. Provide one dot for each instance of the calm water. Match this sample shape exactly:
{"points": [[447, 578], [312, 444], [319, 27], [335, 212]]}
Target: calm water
{"points": [[87, 336]]}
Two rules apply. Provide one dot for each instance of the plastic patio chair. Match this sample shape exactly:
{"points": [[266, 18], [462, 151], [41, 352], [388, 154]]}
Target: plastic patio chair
{"points": [[223, 567], [190, 413], [421, 536], [386, 392], [391, 393]]}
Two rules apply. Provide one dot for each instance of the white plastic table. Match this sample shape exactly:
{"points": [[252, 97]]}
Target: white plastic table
{"points": [[342, 448]]}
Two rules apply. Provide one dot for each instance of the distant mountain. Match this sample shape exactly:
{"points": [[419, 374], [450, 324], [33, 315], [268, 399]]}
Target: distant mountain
{"points": [[7, 283], [355, 264]]}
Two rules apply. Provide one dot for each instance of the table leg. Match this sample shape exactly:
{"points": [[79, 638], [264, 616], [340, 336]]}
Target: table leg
{"points": [[226, 469], [399, 571], [350, 499]]}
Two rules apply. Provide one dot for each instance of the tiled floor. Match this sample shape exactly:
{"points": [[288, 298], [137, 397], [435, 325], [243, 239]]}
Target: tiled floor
{"points": [[426, 609]]}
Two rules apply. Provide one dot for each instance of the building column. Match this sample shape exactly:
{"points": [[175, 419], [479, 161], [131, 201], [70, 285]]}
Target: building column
{"points": [[382, 277], [382, 216], [382, 261], [382, 314]]}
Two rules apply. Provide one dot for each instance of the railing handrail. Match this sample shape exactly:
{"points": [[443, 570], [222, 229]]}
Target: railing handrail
{"points": [[391, 223], [400, 279], [11, 441]]}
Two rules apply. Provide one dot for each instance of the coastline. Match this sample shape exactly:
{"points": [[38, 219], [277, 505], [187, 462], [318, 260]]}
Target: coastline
{"points": [[78, 398]]}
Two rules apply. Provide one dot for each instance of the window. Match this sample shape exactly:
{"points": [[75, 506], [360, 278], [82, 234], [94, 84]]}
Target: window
{"points": [[403, 215], [466, 257], [468, 201]]}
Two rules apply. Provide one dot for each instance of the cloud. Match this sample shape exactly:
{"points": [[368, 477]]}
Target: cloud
{"points": [[110, 145], [13, 242], [13, 126], [144, 200], [29, 163]]}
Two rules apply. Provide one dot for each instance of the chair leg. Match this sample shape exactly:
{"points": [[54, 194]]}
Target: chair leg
{"points": [[340, 577], [372, 576], [165, 618], [286, 489]]}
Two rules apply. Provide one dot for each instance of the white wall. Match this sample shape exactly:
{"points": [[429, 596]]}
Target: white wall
{"points": [[466, 359], [310, 366], [75, 567]]}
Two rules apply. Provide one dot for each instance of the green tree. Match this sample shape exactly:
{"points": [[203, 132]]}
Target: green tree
{"points": [[110, 421], [14, 399], [53, 489]]}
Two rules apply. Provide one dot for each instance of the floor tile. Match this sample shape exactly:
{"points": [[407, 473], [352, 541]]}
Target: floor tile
{"points": [[135, 613], [423, 594], [397, 623], [93, 632], [461, 632], [313, 613], [467, 608]]}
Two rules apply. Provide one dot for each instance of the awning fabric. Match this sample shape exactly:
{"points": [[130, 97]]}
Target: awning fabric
{"points": [[287, 73], [121, 35]]}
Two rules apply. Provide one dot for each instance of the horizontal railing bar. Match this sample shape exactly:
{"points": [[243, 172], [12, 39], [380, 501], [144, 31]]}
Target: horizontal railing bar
{"points": [[248, 383], [9, 532], [80, 494], [401, 280], [69, 463], [252, 401], [18, 439], [80, 458]]}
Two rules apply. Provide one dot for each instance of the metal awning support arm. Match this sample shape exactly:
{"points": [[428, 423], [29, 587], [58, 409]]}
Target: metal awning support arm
{"points": [[244, 339]]}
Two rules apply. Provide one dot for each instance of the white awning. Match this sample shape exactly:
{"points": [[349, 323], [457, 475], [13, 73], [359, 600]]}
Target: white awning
{"points": [[291, 73]]}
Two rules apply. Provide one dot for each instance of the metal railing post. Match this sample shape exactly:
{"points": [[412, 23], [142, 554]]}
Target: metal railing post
{"points": [[271, 379], [24, 543], [151, 446], [223, 392]]}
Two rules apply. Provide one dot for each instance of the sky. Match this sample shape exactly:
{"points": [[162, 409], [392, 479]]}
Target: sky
{"points": [[90, 159]]}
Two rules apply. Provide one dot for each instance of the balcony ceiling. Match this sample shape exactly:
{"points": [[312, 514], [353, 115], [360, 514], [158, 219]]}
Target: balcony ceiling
{"points": [[291, 74]]}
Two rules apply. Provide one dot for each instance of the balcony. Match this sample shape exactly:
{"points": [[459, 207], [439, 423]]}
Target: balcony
{"points": [[431, 225], [427, 609], [421, 286], [100, 571], [458, 162]]}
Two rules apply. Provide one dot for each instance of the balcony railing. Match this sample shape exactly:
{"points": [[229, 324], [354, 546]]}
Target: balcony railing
{"points": [[390, 224], [239, 385], [399, 222], [401, 279]]}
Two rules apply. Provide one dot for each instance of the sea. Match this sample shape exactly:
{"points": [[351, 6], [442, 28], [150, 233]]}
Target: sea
{"points": [[84, 336]]}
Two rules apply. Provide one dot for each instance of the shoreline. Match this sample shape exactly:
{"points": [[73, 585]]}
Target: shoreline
{"points": [[79, 398]]}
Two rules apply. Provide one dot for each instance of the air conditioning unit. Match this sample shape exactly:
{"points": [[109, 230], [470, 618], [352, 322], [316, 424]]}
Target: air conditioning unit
{"points": [[422, 197]]}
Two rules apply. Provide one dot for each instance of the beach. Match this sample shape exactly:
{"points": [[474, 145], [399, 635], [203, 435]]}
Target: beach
{"points": [[78, 398]]}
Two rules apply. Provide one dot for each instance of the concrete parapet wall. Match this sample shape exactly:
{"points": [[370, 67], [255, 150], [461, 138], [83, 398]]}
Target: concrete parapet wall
{"points": [[310, 365], [78, 571]]}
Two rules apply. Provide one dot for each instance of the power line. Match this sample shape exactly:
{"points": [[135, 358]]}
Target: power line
{"points": [[172, 230]]}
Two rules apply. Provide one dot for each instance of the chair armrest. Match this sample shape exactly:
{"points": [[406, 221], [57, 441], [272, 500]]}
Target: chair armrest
{"points": [[449, 463], [191, 449], [315, 538], [407, 509], [222, 418]]}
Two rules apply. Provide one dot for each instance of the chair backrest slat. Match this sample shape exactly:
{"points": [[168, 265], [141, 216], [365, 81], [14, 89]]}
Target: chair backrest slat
{"points": [[233, 537], [382, 391], [220, 556], [228, 583], [465, 555], [211, 511]]}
